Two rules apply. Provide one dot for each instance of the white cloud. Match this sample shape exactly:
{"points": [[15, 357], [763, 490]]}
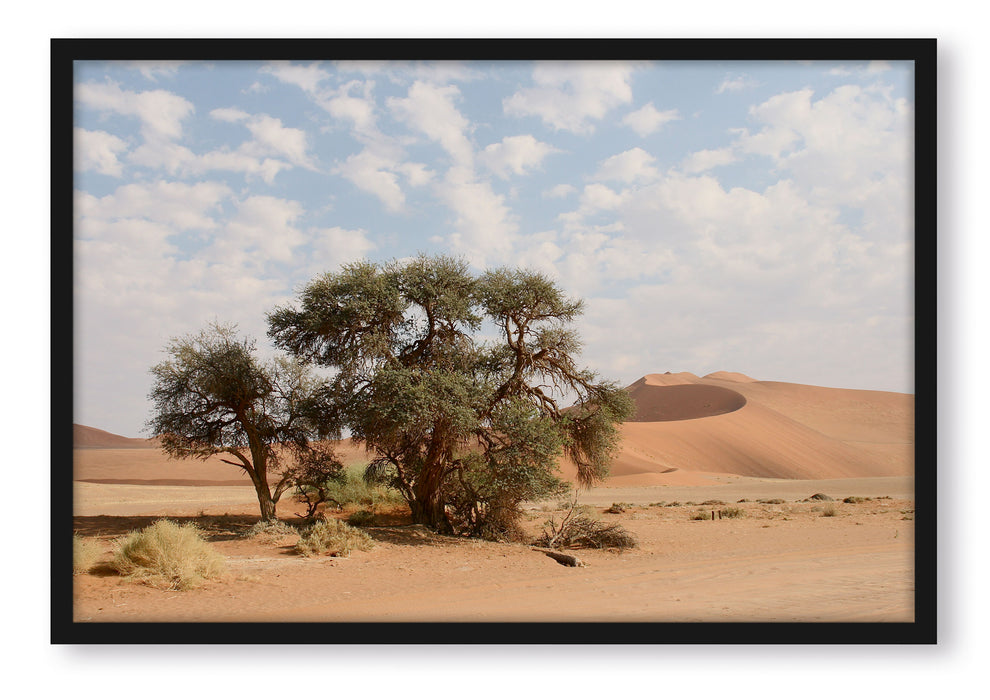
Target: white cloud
{"points": [[735, 83], [430, 109], [97, 151], [336, 246], [706, 159], [260, 231], [376, 175], [628, 166], [515, 155], [484, 228], [559, 191], [570, 96], [306, 77], [161, 113], [648, 119], [153, 69], [175, 204]]}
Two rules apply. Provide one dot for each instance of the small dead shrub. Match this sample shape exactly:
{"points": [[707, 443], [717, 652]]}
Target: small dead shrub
{"points": [[854, 499], [828, 511], [580, 531], [85, 553], [332, 537], [771, 501], [271, 531], [732, 512], [618, 508], [167, 555], [713, 502], [701, 515]]}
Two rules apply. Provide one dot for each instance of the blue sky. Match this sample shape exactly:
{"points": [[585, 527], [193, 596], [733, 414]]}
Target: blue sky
{"points": [[742, 216]]}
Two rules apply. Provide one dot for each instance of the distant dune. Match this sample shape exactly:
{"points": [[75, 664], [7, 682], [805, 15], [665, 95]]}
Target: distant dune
{"points": [[687, 430], [83, 436]]}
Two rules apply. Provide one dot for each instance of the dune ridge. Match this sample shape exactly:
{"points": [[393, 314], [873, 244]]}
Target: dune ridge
{"points": [[687, 430]]}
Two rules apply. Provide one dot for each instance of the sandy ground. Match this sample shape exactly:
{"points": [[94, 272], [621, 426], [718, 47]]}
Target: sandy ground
{"points": [[723, 437], [780, 562]]}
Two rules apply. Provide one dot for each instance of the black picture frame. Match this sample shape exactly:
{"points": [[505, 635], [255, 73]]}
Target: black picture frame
{"points": [[923, 52]]}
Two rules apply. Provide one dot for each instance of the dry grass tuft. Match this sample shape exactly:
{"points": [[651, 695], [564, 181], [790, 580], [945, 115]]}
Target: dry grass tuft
{"points": [[332, 537], [271, 531], [168, 555], [85, 553]]}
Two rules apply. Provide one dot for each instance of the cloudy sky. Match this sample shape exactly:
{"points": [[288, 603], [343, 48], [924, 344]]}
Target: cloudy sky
{"points": [[742, 216]]}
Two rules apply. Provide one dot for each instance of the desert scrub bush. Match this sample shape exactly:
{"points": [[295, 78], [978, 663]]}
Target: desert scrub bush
{"points": [[771, 501], [701, 515], [579, 530], [85, 553], [167, 555], [732, 512], [271, 531], [854, 499], [333, 538], [828, 511], [618, 507], [713, 502], [349, 487], [361, 517]]}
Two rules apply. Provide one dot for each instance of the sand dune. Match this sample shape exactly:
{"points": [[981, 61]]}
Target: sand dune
{"points": [[686, 430], [729, 423], [85, 437]]}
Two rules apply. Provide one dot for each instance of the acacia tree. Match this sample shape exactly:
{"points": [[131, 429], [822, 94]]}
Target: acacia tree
{"points": [[465, 427], [213, 397]]}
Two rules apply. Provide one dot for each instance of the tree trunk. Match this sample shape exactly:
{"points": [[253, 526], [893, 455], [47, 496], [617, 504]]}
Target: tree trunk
{"points": [[267, 504]]}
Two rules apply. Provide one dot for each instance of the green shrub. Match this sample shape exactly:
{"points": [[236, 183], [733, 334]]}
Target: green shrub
{"points": [[167, 555], [85, 553], [361, 517], [332, 537]]}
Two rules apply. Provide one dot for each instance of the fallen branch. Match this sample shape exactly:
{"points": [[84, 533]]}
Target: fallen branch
{"points": [[561, 558]]}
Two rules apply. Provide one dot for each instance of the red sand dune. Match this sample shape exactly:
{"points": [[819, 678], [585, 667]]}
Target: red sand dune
{"points": [[85, 437], [687, 430]]}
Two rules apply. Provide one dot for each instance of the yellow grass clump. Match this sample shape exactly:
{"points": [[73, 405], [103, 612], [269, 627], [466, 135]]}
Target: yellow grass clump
{"points": [[168, 555], [85, 553], [332, 537]]}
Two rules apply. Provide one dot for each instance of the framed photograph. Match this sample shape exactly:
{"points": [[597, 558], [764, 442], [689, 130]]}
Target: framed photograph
{"points": [[494, 341]]}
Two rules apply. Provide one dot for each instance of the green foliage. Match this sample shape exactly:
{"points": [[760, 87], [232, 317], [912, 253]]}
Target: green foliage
{"points": [[168, 555], [212, 397], [333, 538], [465, 428]]}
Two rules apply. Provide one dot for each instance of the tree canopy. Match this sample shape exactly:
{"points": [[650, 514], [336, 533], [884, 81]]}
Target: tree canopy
{"points": [[213, 397], [457, 383]]}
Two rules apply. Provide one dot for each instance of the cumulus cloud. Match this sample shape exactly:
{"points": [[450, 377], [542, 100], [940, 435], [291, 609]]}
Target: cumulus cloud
{"points": [[160, 112], [559, 191], [628, 166], [306, 77], [375, 174], [648, 119], [431, 109], [515, 155], [708, 158], [484, 229], [571, 96], [97, 151], [735, 83]]}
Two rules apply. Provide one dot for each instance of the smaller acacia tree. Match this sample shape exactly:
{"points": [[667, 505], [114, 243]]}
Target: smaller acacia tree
{"points": [[213, 397]]}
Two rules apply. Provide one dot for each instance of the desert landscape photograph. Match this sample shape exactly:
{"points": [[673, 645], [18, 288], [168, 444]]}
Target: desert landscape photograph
{"points": [[494, 341]]}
